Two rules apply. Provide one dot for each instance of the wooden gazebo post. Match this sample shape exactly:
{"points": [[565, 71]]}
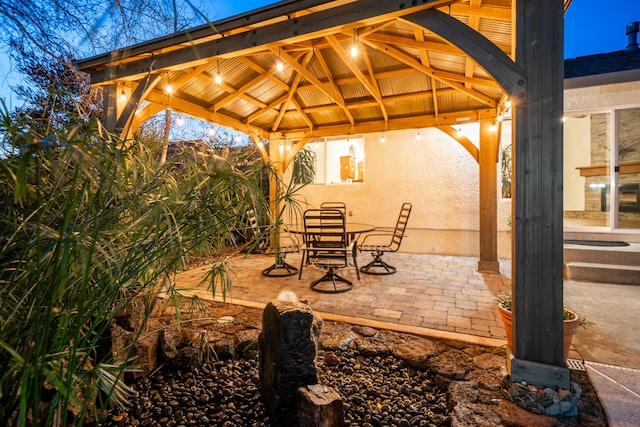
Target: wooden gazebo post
{"points": [[488, 159], [537, 259]]}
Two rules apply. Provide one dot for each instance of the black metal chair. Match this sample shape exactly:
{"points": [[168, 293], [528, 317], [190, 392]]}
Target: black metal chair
{"points": [[380, 242], [341, 206], [326, 245]]}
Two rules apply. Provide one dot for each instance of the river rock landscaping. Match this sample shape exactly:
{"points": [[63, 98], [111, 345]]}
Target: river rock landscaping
{"points": [[205, 373]]}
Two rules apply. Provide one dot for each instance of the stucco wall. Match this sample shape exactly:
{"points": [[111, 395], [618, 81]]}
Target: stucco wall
{"points": [[602, 96], [437, 175]]}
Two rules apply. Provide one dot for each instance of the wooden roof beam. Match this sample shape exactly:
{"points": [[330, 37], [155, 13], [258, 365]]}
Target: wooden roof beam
{"points": [[291, 93], [507, 73], [411, 62], [333, 84], [393, 124], [188, 108]]}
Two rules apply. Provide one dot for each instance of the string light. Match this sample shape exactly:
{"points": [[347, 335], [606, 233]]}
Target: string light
{"points": [[280, 67], [354, 47], [218, 77]]}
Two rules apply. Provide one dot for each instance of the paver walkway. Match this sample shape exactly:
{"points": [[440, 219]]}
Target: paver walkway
{"points": [[443, 294]]}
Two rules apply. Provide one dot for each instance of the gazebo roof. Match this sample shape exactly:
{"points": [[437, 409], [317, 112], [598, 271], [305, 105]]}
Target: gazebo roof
{"points": [[407, 73]]}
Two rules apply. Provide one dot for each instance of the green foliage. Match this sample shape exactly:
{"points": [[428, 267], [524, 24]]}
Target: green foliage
{"points": [[87, 223], [304, 167]]}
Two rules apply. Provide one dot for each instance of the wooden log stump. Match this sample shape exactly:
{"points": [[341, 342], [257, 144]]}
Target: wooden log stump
{"points": [[288, 349], [320, 406]]}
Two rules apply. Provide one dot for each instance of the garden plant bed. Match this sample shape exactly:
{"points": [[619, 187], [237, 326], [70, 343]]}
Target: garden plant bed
{"points": [[384, 378]]}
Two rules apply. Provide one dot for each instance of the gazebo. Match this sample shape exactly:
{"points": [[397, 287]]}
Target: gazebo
{"points": [[298, 70]]}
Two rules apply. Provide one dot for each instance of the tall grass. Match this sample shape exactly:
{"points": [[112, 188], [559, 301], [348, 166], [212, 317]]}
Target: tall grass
{"points": [[88, 222]]}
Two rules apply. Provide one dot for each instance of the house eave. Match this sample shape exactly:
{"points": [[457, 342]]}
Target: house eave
{"points": [[602, 79]]}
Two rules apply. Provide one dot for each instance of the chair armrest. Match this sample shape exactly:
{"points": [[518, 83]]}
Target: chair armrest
{"points": [[376, 236]]}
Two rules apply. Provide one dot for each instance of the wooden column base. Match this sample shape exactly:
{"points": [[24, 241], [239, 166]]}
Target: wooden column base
{"points": [[489, 266], [535, 373]]}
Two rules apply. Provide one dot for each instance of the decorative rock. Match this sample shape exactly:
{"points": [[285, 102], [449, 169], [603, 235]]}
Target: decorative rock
{"points": [[453, 364], [288, 348], [340, 341], [365, 331], [319, 406]]}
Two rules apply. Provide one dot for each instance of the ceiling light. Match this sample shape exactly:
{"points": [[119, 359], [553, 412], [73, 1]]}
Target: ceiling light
{"points": [[123, 96], [168, 89]]}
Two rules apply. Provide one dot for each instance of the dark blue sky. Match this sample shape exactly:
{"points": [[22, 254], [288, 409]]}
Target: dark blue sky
{"points": [[594, 26]]}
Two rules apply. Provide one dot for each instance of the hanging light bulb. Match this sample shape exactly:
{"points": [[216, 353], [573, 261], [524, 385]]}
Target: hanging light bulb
{"points": [[169, 88], [280, 67], [123, 96], [354, 47], [418, 136], [382, 138], [212, 130], [218, 77], [179, 121]]}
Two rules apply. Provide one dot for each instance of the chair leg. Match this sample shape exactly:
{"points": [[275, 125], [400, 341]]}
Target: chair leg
{"points": [[333, 277], [374, 266], [280, 268]]}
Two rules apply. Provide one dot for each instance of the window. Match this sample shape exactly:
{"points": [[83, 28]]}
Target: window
{"points": [[339, 160]]}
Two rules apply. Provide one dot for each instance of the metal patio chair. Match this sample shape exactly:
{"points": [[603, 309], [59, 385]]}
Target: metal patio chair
{"points": [[326, 245], [380, 242]]}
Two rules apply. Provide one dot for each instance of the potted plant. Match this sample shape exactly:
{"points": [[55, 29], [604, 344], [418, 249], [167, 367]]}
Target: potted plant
{"points": [[571, 321]]}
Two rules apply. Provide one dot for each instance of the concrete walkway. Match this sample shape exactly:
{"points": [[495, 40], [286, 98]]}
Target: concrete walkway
{"points": [[446, 297]]}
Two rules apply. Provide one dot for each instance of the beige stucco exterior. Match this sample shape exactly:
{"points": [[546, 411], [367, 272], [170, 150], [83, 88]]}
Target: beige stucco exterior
{"points": [[436, 174]]}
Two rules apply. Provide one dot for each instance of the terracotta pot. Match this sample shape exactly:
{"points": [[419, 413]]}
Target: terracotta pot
{"points": [[570, 327]]}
